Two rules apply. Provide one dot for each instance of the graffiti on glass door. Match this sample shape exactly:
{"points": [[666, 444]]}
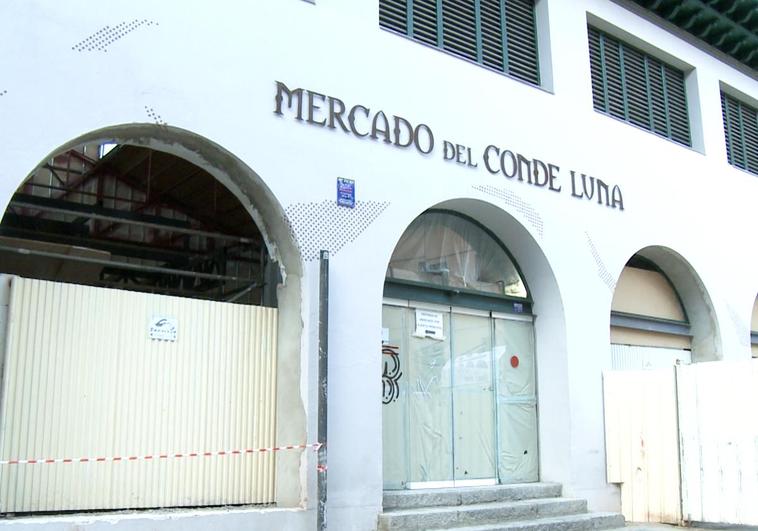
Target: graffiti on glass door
{"points": [[391, 374]]}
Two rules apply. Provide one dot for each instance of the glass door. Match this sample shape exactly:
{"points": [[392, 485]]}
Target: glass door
{"points": [[459, 399], [473, 400], [395, 396], [516, 401], [430, 422]]}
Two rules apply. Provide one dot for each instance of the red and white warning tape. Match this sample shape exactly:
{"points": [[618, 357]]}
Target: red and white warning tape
{"points": [[156, 457]]}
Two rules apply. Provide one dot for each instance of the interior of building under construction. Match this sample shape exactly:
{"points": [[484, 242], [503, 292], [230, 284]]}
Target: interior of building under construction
{"points": [[131, 217]]}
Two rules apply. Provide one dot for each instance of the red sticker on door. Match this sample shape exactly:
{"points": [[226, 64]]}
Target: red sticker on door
{"points": [[514, 361]]}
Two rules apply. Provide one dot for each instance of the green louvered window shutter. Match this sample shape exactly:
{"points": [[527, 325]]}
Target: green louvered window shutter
{"points": [[498, 34], [635, 87], [741, 132]]}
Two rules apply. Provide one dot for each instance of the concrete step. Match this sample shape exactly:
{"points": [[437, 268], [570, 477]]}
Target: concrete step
{"points": [[650, 526], [407, 499], [460, 516], [573, 522]]}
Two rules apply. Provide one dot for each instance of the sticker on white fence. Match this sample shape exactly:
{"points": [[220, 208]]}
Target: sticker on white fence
{"points": [[163, 328]]}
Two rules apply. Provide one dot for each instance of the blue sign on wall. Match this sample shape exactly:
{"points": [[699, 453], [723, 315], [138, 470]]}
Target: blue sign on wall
{"points": [[346, 192]]}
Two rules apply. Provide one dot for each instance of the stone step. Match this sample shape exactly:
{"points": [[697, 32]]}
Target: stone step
{"points": [[407, 499], [650, 526], [573, 522], [457, 516]]}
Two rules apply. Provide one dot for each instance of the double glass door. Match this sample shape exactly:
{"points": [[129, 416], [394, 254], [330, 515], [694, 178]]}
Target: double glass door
{"points": [[459, 398]]}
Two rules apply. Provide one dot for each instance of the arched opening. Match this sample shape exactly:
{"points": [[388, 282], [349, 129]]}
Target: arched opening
{"points": [[135, 218], [754, 330], [660, 313], [460, 400], [147, 274]]}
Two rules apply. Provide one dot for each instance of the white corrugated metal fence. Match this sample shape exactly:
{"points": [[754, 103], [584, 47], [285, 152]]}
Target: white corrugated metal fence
{"points": [[82, 378]]}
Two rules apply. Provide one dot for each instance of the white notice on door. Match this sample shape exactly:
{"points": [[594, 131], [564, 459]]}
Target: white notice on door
{"points": [[429, 324]]}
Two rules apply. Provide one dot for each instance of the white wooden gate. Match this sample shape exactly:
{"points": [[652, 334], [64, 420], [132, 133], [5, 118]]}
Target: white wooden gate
{"points": [[718, 416], [641, 443], [703, 470], [82, 378]]}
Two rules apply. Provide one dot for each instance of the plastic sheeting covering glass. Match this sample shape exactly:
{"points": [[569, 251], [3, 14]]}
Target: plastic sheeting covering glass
{"points": [[395, 397], [430, 403], [461, 408], [447, 250], [516, 401], [473, 400]]}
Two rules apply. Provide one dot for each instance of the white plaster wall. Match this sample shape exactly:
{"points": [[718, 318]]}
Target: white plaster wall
{"points": [[210, 69]]}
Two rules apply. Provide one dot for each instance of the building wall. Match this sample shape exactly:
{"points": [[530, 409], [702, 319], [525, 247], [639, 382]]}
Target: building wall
{"points": [[211, 70], [643, 292]]}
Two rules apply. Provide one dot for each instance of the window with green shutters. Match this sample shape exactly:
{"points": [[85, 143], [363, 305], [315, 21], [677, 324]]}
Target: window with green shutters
{"points": [[741, 132], [635, 87], [499, 34]]}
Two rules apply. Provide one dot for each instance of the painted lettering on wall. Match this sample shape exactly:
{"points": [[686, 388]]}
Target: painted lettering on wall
{"points": [[330, 112]]}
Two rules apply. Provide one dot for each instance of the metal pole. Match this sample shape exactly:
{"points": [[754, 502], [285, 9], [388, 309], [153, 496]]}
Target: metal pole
{"points": [[241, 293], [120, 265], [323, 378], [84, 212]]}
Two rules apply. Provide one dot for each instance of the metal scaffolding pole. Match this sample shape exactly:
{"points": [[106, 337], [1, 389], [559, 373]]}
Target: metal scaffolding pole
{"points": [[94, 212], [122, 265]]}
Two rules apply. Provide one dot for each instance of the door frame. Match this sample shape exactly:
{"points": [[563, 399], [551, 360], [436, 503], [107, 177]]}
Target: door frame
{"points": [[478, 312]]}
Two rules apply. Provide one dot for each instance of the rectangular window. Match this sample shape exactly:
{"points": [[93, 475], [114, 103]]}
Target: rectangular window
{"points": [[635, 87], [499, 34], [741, 132]]}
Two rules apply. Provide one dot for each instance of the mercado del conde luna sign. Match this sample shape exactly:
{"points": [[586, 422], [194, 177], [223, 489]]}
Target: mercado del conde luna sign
{"points": [[358, 120]]}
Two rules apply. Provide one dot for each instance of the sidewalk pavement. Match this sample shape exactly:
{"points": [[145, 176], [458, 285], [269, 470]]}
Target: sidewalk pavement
{"points": [[634, 526]]}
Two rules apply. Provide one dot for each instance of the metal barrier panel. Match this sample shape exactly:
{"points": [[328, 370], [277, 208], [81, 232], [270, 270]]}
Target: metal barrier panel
{"points": [[634, 357], [84, 379], [719, 442], [641, 443]]}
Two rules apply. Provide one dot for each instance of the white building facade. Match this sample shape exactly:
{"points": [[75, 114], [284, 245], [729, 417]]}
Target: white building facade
{"points": [[280, 100]]}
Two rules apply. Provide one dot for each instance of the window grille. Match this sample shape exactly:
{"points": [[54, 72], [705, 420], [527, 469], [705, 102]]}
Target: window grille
{"points": [[741, 133], [635, 87], [498, 34]]}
